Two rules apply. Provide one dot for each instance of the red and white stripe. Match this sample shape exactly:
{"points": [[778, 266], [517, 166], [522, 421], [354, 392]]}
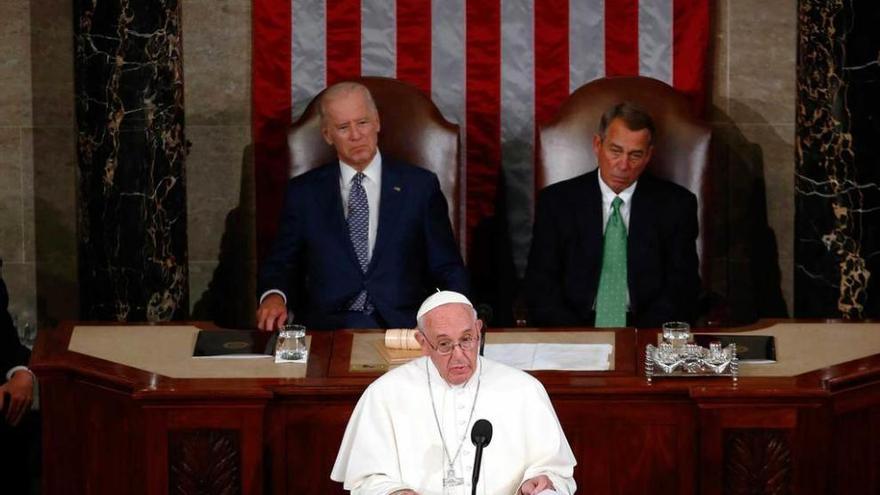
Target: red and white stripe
{"points": [[496, 67]]}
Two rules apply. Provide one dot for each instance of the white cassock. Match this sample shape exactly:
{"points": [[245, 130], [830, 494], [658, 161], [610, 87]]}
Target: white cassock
{"points": [[392, 440]]}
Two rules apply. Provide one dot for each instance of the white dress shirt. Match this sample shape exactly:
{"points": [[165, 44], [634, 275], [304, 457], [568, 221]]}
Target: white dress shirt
{"points": [[14, 369], [608, 196], [372, 186]]}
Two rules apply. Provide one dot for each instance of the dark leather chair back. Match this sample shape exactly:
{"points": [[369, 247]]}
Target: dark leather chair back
{"points": [[413, 130], [681, 146]]}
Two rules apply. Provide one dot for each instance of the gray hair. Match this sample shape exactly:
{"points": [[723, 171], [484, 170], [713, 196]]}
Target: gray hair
{"points": [[634, 117], [341, 89]]}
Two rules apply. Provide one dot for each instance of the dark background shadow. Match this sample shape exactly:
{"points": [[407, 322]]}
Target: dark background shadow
{"points": [[493, 274], [745, 257], [230, 298]]}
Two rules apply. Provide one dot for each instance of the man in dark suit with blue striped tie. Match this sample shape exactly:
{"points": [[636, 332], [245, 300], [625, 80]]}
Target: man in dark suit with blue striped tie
{"points": [[365, 237]]}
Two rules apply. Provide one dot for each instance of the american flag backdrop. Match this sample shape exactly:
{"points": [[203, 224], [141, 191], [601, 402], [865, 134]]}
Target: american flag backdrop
{"points": [[496, 67]]}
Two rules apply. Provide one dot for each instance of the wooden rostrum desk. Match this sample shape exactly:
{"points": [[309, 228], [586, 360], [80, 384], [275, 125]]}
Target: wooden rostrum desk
{"points": [[809, 425]]}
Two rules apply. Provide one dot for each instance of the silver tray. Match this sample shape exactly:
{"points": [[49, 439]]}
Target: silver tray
{"points": [[690, 361]]}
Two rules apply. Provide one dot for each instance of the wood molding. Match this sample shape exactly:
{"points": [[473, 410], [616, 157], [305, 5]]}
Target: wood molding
{"points": [[757, 462], [204, 461]]}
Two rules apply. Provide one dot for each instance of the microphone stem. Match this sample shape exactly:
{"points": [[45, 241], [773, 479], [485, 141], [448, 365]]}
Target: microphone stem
{"points": [[476, 476]]}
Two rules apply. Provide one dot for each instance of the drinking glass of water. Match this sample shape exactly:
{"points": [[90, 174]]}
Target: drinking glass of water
{"points": [[291, 344], [677, 333]]}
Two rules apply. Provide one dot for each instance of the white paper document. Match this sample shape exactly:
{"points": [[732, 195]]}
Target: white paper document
{"points": [[567, 357]]}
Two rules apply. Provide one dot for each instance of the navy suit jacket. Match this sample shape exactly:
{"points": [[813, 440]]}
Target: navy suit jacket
{"points": [[566, 254], [414, 254], [12, 353]]}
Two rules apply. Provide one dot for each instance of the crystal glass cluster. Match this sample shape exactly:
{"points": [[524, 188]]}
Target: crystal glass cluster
{"points": [[675, 355]]}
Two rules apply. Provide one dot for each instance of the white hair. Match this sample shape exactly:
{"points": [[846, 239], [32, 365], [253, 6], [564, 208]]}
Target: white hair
{"points": [[345, 88]]}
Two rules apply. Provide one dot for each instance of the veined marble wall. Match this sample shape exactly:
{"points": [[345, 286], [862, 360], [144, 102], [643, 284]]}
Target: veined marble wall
{"points": [[132, 223], [838, 160]]}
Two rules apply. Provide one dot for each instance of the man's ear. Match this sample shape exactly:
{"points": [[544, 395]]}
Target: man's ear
{"points": [[325, 132], [597, 144], [423, 342]]}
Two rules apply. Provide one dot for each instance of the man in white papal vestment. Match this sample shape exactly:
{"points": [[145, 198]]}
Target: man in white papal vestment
{"points": [[410, 431]]}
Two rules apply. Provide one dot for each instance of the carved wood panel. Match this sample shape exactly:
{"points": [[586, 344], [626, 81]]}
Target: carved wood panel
{"points": [[857, 451], [310, 440], [624, 448], [757, 462], [204, 462]]}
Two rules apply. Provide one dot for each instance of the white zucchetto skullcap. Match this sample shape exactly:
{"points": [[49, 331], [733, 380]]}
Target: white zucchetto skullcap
{"points": [[439, 299]]}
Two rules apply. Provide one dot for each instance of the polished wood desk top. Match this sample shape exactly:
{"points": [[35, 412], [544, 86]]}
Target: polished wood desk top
{"points": [[329, 370]]}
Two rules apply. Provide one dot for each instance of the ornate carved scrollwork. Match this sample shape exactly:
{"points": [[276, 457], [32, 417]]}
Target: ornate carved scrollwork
{"points": [[757, 462], [204, 462]]}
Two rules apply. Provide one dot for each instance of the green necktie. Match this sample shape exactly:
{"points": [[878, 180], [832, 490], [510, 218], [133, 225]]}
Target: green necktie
{"points": [[611, 297]]}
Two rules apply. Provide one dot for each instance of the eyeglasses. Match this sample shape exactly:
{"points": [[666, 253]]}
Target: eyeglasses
{"points": [[445, 347]]}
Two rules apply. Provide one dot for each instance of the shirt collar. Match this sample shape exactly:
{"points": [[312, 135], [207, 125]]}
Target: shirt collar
{"points": [[443, 384], [373, 170], [608, 194]]}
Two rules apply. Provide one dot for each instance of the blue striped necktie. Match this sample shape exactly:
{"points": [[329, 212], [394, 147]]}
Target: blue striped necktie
{"points": [[358, 231]]}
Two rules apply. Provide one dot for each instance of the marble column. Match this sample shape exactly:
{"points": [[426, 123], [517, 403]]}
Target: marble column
{"points": [[837, 182], [131, 150]]}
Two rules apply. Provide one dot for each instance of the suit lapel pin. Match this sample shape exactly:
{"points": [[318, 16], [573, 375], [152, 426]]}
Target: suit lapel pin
{"points": [[396, 188]]}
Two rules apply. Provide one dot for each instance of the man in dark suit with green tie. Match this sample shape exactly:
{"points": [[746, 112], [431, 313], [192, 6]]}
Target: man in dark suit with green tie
{"points": [[616, 246]]}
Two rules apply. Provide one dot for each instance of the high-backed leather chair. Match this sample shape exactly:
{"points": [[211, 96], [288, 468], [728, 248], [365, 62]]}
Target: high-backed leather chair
{"points": [[413, 130], [681, 144]]}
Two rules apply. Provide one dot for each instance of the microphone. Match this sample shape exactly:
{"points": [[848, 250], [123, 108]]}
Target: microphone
{"points": [[481, 435], [484, 313]]}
